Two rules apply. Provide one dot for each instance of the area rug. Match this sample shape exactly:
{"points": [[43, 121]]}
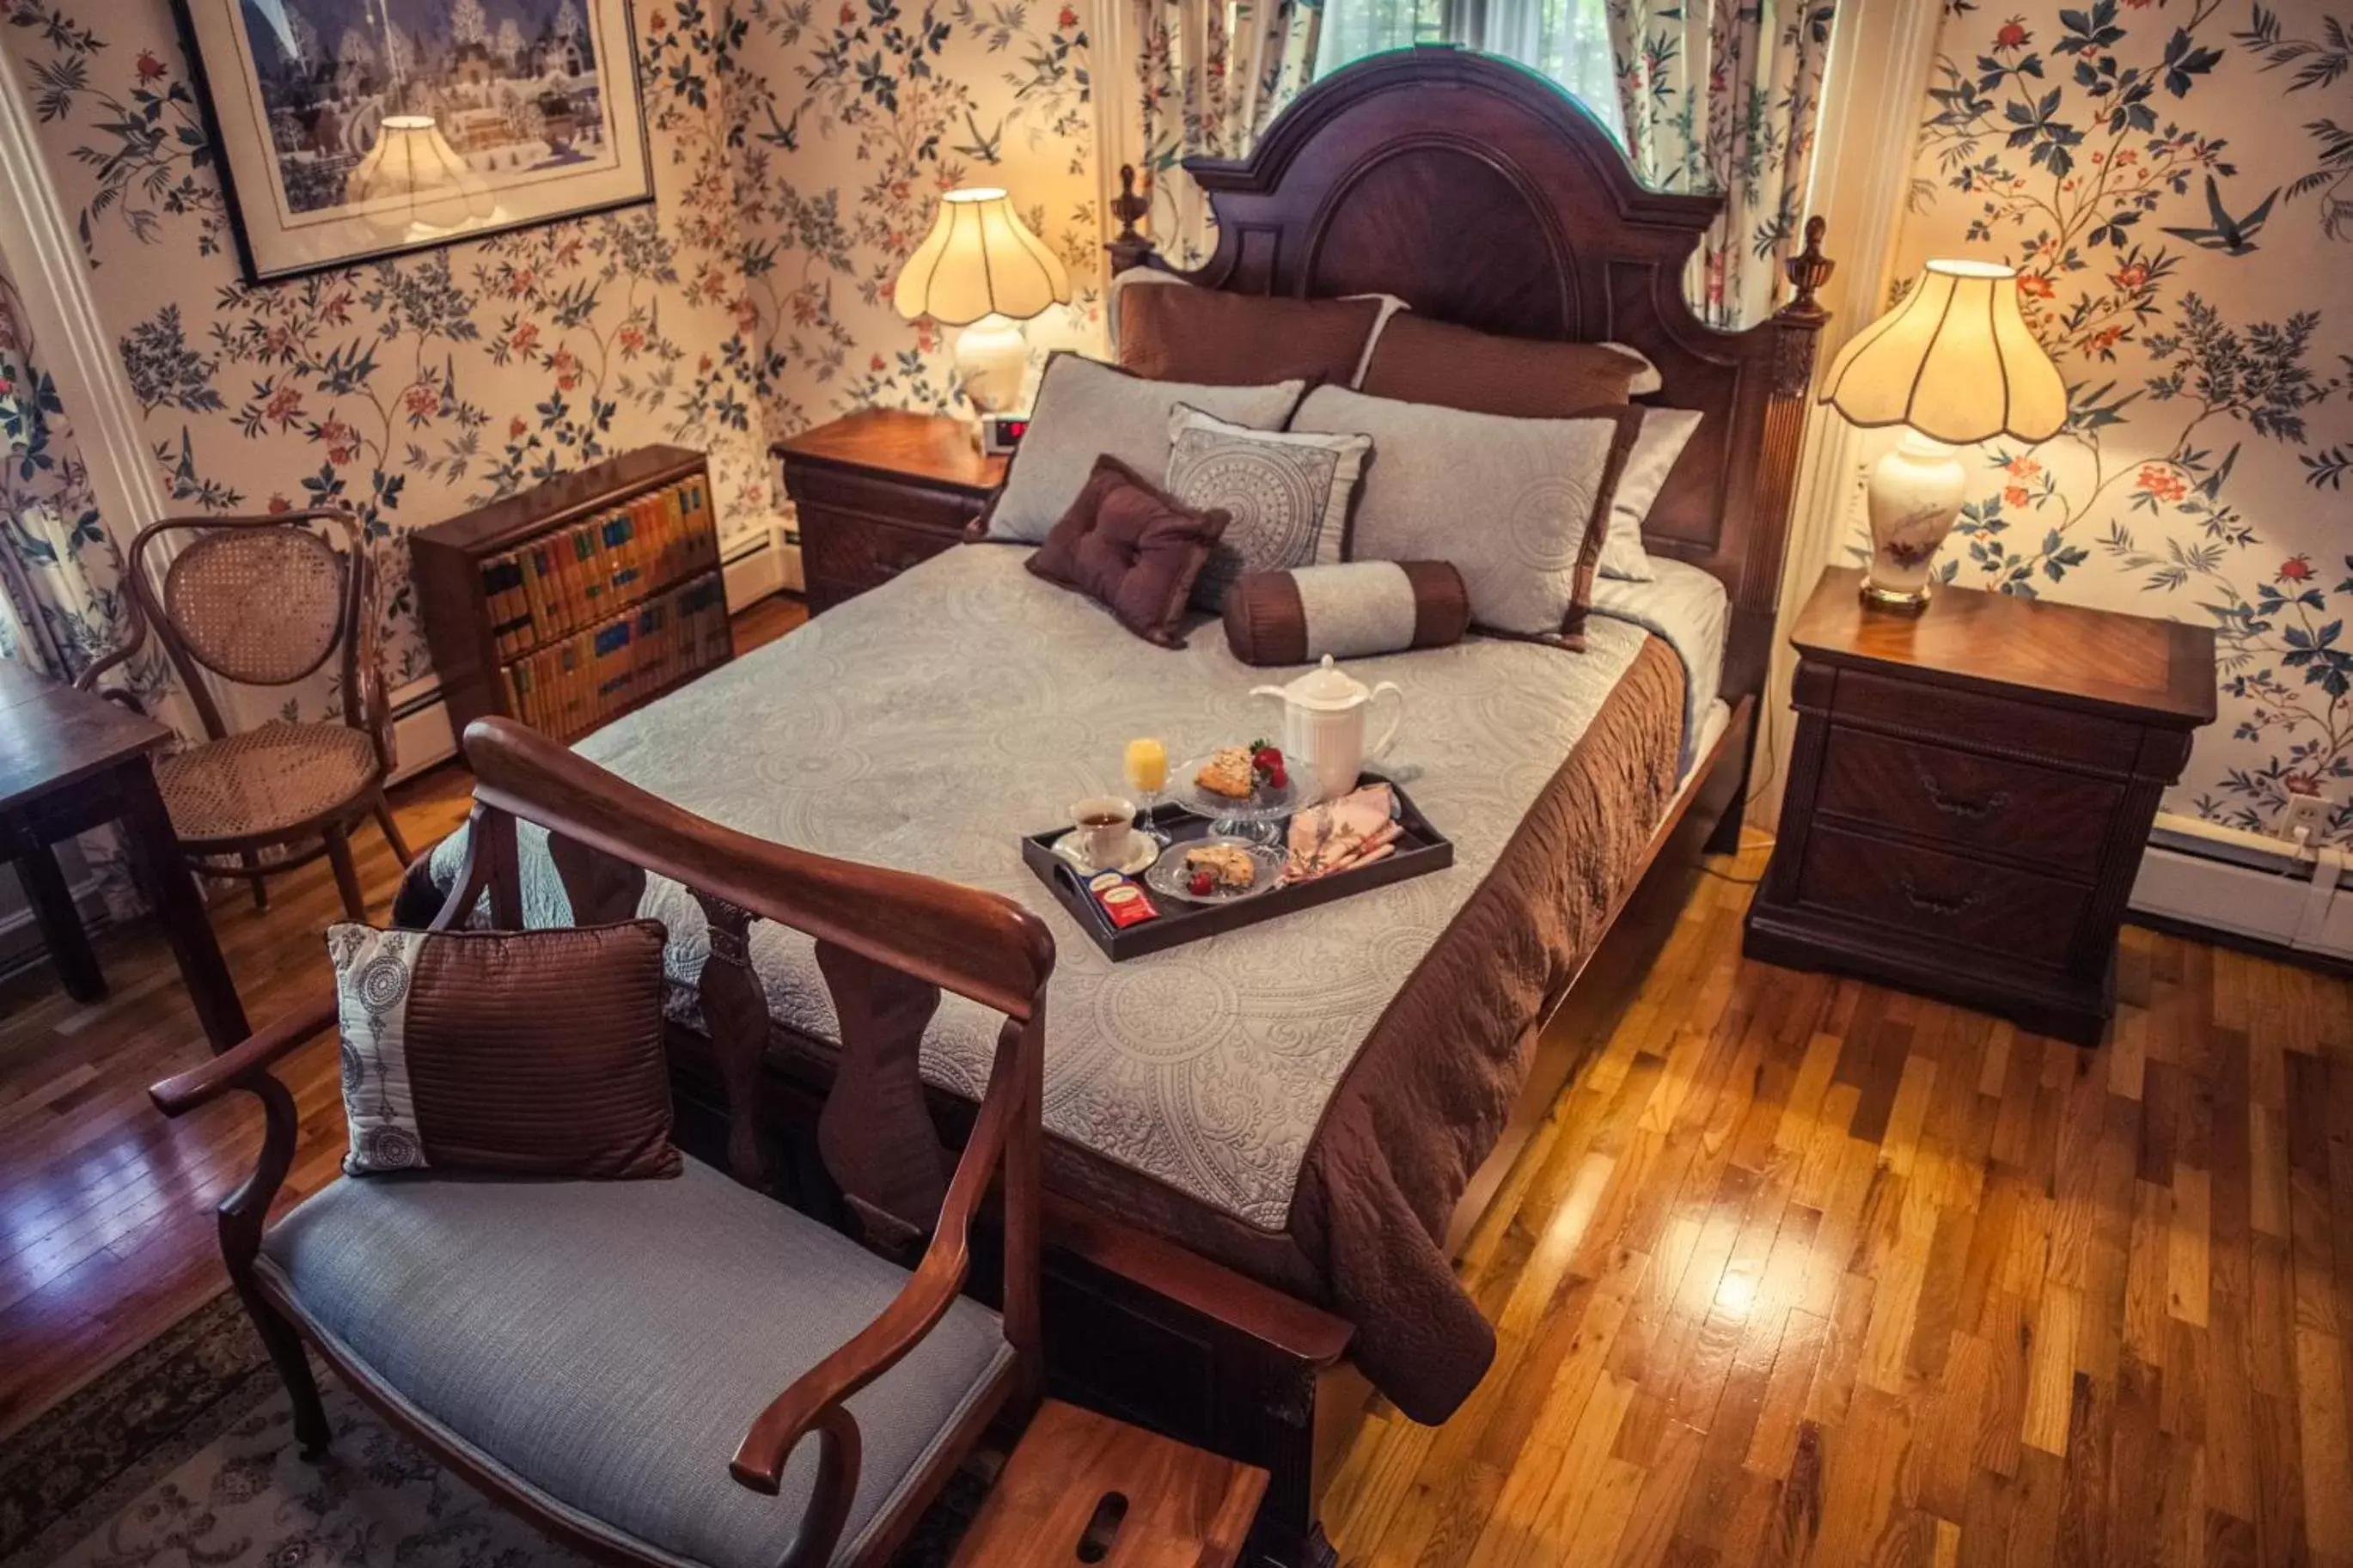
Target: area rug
{"points": [[183, 1454]]}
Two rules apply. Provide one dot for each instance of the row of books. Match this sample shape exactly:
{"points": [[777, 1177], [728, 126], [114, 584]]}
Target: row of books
{"points": [[560, 582], [570, 687]]}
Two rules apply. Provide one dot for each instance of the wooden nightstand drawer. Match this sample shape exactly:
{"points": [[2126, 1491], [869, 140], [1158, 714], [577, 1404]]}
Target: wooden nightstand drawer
{"points": [[905, 503], [843, 555], [1994, 723], [1956, 899], [2055, 820]]}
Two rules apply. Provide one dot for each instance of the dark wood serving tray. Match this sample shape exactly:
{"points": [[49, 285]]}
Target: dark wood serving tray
{"points": [[1421, 849]]}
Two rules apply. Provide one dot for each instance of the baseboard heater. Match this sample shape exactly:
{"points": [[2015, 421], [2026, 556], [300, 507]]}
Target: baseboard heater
{"points": [[2259, 889]]}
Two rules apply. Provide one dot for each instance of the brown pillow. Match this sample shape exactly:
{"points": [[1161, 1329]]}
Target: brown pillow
{"points": [[1173, 332], [1421, 361], [525, 1053], [1132, 548], [1349, 611]]}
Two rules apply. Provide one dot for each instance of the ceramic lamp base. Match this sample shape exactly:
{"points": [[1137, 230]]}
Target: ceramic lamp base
{"points": [[991, 358], [1916, 493]]}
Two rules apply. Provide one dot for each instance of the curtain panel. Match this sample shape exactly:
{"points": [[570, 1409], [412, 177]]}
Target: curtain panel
{"points": [[1724, 95], [1209, 74]]}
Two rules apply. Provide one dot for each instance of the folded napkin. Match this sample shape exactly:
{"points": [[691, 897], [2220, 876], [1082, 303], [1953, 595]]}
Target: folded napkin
{"points": [[1357, 829]]}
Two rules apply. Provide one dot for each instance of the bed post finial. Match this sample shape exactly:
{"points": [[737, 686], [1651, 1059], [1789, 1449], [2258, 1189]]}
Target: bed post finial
{"points": [[1809, 269], [1129, 248]]}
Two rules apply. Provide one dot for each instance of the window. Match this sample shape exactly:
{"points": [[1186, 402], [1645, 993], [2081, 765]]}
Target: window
{"points": [[1568, 40]]}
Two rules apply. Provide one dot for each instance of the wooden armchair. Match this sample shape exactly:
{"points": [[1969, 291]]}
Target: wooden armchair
{"points": [[266, 601], [603, 1357]]}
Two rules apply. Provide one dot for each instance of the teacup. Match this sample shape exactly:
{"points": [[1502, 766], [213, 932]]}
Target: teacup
{"points": [[1106, 825]]}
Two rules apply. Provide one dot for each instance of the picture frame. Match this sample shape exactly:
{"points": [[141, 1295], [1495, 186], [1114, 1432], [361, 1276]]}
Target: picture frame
{"points": [[351, 130]]}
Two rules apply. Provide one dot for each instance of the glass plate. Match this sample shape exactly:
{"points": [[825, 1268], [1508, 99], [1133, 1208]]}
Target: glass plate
{"points": [[1265, 804], [1167, 877]]}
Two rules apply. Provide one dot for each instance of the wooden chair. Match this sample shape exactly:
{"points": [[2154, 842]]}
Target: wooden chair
{"points": [[266, 601], [602, 1355]]}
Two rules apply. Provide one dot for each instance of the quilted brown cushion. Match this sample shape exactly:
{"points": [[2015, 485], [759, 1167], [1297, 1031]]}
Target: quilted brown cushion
{"points": [[1421, 361], [1170, 331], [526, 1053], [1130, 547]]}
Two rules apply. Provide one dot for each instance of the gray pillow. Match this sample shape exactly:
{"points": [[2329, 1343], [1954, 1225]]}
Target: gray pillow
{"points": [[1086, 409], [1666, 431], [1286, 495], [1518, 505]]}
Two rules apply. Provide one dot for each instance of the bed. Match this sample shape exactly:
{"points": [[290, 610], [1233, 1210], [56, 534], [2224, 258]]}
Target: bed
{"points": [[1262, 1146]]}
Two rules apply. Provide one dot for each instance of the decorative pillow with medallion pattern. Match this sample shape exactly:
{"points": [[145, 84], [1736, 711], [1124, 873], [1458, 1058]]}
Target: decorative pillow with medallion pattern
{"points": [[1287, 495], [520, 1053]]}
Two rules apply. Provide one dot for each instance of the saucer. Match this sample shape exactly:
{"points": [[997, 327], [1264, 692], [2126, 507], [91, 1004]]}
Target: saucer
{"points": [[1141, 853]]}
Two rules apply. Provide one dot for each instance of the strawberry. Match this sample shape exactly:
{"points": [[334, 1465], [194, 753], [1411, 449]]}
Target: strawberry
{"points": [[1201, 884]]}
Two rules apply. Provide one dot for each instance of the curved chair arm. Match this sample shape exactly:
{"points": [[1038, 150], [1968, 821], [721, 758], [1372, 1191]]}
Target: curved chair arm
{"points": [[815, 1401], [245, 1067], [239, 1065]]}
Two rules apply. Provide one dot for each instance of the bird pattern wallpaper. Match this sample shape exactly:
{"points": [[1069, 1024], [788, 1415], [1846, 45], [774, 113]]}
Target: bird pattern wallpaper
{"points": [[2174, 181]]}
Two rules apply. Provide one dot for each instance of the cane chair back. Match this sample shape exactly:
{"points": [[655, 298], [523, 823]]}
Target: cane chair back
{"points": [[258, 606]]}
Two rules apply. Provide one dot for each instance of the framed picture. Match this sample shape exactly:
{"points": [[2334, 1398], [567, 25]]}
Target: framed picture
{"points": [[351, 130]]}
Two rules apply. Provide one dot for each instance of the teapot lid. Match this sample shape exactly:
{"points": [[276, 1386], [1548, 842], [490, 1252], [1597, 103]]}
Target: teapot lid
{"points": [[1327, 686]]}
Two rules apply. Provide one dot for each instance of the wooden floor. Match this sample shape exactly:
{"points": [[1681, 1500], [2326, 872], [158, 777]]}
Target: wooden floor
{"points": [[1801, 1270]]}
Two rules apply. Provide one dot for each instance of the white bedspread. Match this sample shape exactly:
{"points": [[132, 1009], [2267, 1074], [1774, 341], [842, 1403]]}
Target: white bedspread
{"points": [[928, 724]]}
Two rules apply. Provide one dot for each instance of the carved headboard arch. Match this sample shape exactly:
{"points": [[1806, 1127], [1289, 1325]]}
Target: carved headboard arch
{"points": [[1481, 194]]}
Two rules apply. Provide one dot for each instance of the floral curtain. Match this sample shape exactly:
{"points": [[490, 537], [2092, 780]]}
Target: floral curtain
{"points": [[1723, 95], [1211, 74]]}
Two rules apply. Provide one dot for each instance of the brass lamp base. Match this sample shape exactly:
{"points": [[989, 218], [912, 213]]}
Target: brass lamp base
{"points": [[1892, 600]]}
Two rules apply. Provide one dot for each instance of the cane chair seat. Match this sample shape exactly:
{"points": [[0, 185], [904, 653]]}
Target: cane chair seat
{"points": [[271, 780]]}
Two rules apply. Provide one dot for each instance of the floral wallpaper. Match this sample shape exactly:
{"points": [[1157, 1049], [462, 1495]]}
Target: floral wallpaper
{"points": [[851, 118], [798, 150], [2174, 180]]}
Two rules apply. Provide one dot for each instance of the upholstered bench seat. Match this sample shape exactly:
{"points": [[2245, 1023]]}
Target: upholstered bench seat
{"points": [[605, 1345]]}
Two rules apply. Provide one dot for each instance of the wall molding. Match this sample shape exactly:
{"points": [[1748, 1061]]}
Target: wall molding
{"points": [[1880, 57], [44, 255]]}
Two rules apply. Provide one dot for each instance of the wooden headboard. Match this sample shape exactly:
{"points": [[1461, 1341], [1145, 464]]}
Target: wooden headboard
{"points": [[1481, 194]]}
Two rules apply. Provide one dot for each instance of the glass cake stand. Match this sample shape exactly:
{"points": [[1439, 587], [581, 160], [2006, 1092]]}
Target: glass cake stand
{"points": [[1258, 820]]}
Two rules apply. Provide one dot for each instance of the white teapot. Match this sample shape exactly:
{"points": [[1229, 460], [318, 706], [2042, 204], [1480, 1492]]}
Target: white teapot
{"points": [[1323, 726]]}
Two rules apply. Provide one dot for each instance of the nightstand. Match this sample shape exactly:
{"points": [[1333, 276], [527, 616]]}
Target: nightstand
{"points": [[877, 491], [1969, 793]]}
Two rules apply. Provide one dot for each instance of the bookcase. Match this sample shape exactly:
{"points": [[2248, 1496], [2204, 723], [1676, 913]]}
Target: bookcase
{"points": [[567, 606]]}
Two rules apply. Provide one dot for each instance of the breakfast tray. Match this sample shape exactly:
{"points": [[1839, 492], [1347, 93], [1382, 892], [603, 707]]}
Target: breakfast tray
{"points": [[1421, 849]]}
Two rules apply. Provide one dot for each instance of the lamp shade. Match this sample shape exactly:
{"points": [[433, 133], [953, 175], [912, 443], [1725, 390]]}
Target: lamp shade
{"points": [[979, 260], [1955, 361], [412, 175]]}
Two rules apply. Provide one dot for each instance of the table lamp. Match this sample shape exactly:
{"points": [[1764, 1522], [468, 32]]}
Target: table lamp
{"points": [[1954, 364], [980, 268]]}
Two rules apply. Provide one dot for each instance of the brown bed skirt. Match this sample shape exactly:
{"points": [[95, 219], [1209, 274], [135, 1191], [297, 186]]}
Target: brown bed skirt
{"points": [[1429, 1094]]}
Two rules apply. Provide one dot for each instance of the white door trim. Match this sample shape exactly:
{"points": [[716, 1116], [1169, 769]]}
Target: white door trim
{"points": [[44, 255]]}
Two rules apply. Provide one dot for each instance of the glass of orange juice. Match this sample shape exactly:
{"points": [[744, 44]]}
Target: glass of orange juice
{"points": [[1146, 769]]}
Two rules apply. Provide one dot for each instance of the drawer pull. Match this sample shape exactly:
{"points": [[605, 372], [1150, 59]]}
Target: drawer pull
{"points": [[1951, 805], [1930, 903]]}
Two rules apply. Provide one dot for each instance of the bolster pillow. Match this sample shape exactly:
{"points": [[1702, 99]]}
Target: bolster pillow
{"points": [[1349, 610]]}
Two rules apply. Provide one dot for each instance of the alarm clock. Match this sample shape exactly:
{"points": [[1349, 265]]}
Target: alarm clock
{"points": [[1000, 432]]}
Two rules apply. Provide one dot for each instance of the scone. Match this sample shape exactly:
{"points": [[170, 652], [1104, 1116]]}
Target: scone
{"points": [[1226, 865], [1227, 773]]}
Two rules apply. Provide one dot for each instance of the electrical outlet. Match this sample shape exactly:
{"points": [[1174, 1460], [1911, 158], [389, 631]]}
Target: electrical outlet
{"points": [[2307, 813]]}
